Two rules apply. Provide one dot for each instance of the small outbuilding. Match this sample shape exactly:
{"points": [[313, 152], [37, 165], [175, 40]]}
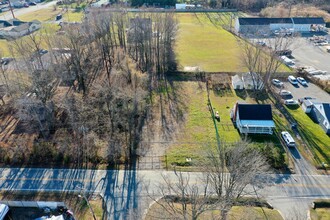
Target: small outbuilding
{"points": [[237, 82], [253, 118], [253, 81]]}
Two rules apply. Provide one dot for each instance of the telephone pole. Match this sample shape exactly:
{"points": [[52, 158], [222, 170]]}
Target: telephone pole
{"points": [[11, 9]]}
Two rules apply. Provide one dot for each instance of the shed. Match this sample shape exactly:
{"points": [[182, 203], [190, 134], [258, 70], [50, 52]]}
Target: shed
{"points": [[307, 106], [237, 82], [252, 81], [253, 118]]}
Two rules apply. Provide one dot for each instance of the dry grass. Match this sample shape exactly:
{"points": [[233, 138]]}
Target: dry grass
{"points": [[158, 211], [298, 10]]}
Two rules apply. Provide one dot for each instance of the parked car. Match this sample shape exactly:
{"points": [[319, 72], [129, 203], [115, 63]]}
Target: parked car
{"points": [[285, 92], [26, 5], [291, 102], [43, 51], [32, 3], [292, 80], [6, 60], [277, 82], [300, 100], [302, 81], [261, 43], [288, 139]]}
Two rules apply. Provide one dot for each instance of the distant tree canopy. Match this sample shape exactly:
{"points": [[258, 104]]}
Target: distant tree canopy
{"points": [[153, 2]]}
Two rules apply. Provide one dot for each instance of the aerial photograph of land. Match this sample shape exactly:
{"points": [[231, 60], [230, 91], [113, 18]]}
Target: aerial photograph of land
{"points": [[164, 109]]}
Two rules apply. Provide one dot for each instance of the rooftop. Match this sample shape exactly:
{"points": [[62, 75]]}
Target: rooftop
{"points": [[255, 112]]}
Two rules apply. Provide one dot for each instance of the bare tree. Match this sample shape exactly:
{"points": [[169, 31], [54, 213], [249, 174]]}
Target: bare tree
{"points": [[229, 171], [181, 198]]}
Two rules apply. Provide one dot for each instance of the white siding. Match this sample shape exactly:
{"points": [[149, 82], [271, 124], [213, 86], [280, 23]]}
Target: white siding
{"points": [[302, 27], [274, 27]]}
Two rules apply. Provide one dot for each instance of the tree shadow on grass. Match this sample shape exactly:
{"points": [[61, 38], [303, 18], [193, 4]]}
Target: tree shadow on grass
{"points": [[241, 93]]}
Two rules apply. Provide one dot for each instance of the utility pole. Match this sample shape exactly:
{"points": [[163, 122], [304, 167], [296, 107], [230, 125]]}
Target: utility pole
{"points": [[11, 9]]}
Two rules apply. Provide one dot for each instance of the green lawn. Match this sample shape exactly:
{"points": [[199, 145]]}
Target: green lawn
{"points": [[73, 16], [204, 43], [313, 133], [200, 43], [198, 134]]}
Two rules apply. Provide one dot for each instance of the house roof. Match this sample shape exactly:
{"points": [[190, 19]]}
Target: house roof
{"points": [[254, 112], [263, 21], [309, 20], [21, 27], [324, 109], [268, 21], [236, 79]]}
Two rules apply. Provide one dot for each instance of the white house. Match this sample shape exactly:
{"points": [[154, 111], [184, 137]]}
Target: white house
{"points": [[15, 28], [237, 82], [319, 112], [253, 81], [253, 118]]}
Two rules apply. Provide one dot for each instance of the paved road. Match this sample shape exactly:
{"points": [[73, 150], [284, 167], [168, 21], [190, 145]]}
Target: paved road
{"points": [[126, 192], [21, 11]]}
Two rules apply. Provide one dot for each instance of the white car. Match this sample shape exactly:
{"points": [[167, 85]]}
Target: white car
{"points": [[277, 82], [292, 80], [302, 81], [291, 102], [285, 92], [288, 139]]}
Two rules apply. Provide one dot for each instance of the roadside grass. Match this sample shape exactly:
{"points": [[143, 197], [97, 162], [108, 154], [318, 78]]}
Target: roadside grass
{"points": [[201, 43], [198, 137], [73, 16], [157, 211], [47, 14], [318, 141], [320, 214], [245, 212]]}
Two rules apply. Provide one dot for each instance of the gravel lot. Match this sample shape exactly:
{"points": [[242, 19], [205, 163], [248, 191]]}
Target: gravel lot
{"points": [[311, 90]]}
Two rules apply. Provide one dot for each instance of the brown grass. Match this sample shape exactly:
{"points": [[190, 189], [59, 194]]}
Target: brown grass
{"points": [[299, 10]]}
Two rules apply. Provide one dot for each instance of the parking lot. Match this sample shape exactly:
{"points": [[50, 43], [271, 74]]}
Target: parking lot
{"points": [[305, 53], [311, 90]]}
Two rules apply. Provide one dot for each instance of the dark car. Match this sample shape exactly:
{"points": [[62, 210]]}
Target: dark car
{"points": [[32, 3], [6, 60], [26, 5]]}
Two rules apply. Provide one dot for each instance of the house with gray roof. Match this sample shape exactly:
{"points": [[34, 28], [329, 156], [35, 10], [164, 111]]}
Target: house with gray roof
{"points": [[14, 28], [262, 26], [319, 112]]}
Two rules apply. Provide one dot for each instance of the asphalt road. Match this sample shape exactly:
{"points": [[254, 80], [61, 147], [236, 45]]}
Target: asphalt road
{"points": [[128, 193]]}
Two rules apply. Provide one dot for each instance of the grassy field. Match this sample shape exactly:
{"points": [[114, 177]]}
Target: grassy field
{"points": [[42, 15], [198, 134], [319, 142], [237, 212], [204, 43], [201, 43]]}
